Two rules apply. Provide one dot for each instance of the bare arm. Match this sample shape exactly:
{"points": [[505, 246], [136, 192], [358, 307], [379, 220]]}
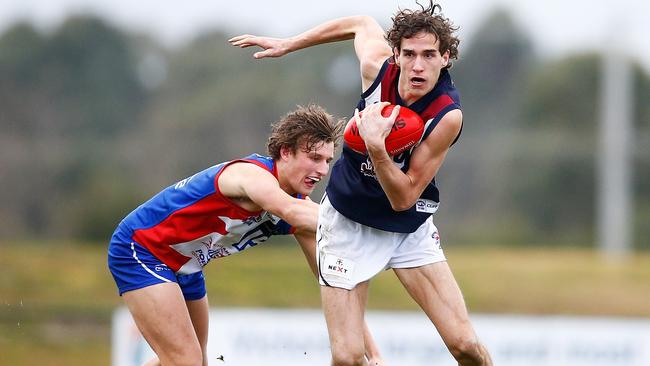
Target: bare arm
{"points": [[307, 241], [254, 188], [369, 43], [403, 189]]}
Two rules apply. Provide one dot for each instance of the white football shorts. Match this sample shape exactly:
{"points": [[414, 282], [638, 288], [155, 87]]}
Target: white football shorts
{"points": [[349, 253]]}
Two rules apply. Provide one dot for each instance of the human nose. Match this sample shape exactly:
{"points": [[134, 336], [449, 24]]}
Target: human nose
{"points": [[418, 64], [323, 168]]}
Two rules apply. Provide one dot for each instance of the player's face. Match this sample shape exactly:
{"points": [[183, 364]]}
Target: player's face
{"points": [[420, 62], [306, 169]]}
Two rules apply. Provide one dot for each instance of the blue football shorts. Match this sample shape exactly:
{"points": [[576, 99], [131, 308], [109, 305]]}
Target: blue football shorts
{"points": [[134, 267]]}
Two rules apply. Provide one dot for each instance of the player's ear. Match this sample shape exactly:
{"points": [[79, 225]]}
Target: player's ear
{"points": [[285, 152], [396, 55], [445, 58]]}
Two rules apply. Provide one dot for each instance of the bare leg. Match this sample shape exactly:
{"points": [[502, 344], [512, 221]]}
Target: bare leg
{"points": [[162, 316], [373, 354], [344, 310], [372, 350], [434, 288], [200, 313], [153, 362]]}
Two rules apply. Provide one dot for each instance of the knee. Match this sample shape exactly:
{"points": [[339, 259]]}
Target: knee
{"points": [[190, 356], [191, 360], [466, 349]]}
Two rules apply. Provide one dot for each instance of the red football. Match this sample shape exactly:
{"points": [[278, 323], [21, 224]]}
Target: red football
{"points": [[407, 131]]}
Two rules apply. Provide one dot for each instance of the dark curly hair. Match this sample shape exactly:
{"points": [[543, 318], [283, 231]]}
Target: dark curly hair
{"points": [[407, 23], [305, 128]]}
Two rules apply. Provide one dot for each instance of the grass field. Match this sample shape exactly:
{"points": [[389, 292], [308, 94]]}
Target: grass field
{"points": [[56, 299]]}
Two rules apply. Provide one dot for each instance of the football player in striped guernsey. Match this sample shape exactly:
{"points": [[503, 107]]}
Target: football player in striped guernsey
{"points": [[378, 208]]}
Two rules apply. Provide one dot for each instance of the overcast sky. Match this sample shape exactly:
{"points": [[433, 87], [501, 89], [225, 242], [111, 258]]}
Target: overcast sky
{"points": [[556, 26]]}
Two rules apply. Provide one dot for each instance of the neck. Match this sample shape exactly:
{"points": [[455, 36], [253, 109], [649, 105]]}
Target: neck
{"points": [[407, 97], [282, 179]]}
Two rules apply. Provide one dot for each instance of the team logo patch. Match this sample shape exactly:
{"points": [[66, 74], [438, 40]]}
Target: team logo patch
{"points": [[337, 266], [436, 239], [427, 206], [368, 169], [161, 267]]}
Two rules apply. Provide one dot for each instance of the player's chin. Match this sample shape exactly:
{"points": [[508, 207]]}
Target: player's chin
{"points": [[307, 188], [307, 191], [420, 91]]}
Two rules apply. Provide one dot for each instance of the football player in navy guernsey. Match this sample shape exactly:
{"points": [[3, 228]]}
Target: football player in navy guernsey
{"points": [[157, 252], [377, 211]]}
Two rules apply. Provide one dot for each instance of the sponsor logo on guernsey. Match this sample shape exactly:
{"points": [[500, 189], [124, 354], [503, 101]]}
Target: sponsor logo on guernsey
{"points": [[183, 182], [426, 206], [201, 257], [264, 216], [218, 252], [252, 220], [368, 169], [337, 266]]}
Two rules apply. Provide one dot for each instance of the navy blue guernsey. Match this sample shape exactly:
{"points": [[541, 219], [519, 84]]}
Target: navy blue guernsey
{"points": [[353, 188]]}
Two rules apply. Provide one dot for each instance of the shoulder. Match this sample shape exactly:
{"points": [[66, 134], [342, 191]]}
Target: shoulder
{"points": [[240, 181], [446, 131], [265, 162], [453, 118], [370, 69], [241, 175], [449, 87], [243, 169]]}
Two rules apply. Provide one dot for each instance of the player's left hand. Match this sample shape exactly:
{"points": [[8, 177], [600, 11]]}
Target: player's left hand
{"points": [[373, 126], [272, 47]]}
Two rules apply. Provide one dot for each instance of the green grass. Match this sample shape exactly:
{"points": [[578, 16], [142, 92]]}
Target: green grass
{"points": [[56, 299]]}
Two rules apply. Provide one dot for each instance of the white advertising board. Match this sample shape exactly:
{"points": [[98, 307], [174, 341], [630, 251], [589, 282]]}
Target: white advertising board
{"points": [[253, 337]]}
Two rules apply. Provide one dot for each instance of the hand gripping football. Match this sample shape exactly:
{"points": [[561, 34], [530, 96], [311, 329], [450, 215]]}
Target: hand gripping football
{"points": [[406, 132]]}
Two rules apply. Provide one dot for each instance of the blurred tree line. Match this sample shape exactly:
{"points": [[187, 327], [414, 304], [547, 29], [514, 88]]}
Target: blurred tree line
{"points": [[94, 121]]}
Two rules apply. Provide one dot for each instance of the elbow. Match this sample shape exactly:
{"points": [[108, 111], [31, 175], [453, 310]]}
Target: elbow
{"points": [[362, 20], [304, 226], [301, 218], [401, 205], [290, 215], [400, 208], [403, 200], [363, 23]]}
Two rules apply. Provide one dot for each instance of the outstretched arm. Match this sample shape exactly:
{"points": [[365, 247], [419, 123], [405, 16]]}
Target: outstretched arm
{"points": [[369, 43], [254, 188]]}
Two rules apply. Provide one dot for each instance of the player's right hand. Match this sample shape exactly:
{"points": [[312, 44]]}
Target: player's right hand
{"points": [[373, 126], [272, 47]]}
